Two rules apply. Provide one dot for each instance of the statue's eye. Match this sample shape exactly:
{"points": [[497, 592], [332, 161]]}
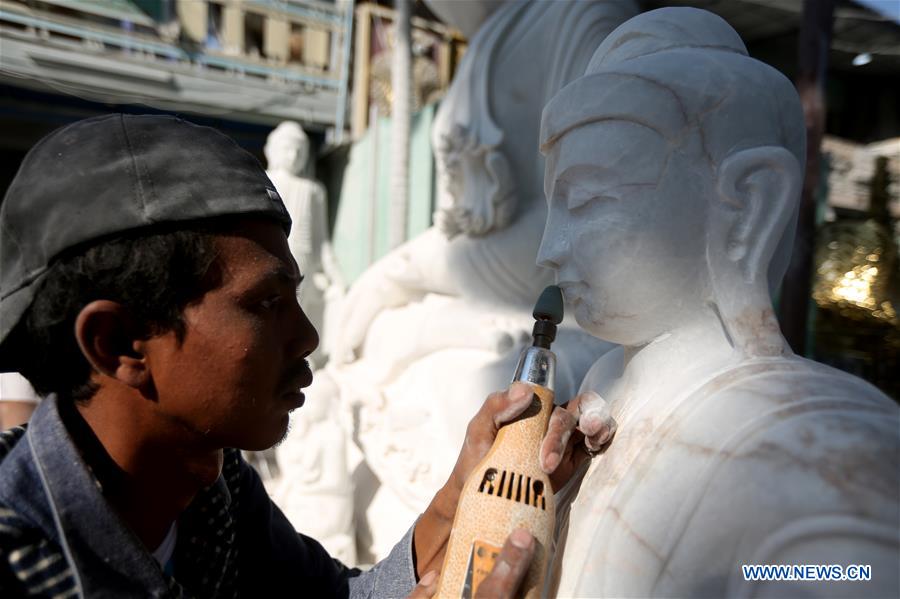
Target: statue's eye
{"points": [[580, 200]]}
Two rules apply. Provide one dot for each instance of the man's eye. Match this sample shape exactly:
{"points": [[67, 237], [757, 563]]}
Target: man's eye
{"points": [[270, 302]]}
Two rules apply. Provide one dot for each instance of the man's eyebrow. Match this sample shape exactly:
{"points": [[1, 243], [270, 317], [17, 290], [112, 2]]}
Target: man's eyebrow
{"points": [[282, 275]]}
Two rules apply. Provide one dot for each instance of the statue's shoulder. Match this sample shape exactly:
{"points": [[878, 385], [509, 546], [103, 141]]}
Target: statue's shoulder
{"points": [[804, 408], [797, 438], [791, 385]]}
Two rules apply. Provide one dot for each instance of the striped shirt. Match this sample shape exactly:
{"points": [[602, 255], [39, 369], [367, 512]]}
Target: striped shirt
{"points": [[29, 562]]}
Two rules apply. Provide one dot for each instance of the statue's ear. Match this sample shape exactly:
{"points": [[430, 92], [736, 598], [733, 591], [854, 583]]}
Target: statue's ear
{"points": [[757, 191]]}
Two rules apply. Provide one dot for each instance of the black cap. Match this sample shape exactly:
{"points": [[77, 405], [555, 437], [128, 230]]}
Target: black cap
{"points": [[112, 174]]}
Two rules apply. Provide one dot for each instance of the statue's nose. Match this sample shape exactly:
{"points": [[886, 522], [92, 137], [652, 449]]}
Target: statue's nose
{"points": [[554, 245]]}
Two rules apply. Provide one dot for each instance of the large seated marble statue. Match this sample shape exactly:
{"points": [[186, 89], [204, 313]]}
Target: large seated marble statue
{"points": [[673, 171], [437, 324]]}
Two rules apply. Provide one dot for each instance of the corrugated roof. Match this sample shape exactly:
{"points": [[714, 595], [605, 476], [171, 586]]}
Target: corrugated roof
{"points": [[860, 26]]}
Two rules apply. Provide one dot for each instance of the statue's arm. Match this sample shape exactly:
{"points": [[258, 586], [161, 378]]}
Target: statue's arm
{"points": [[404, 275]]}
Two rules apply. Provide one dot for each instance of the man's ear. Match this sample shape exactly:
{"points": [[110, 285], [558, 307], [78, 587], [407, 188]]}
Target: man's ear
{"points": [[112, 342], [759, 188]]}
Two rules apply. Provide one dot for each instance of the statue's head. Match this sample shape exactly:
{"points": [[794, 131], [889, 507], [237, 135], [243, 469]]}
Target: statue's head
{"points": [[673, 172], [287, 148], [485, 133]]}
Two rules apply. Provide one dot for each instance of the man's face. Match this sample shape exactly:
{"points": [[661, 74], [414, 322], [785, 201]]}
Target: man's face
{"points": [[237, 373], [626, 229]]}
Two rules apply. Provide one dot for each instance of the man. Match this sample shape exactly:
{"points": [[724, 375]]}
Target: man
{"points": [[148, 292]]}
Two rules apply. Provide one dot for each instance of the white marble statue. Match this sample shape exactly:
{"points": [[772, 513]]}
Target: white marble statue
{"points": [[287, 157], [673, 172], [437, 324], [315, 491]]}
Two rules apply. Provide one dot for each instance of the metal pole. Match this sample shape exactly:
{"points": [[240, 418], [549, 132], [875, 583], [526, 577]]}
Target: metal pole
{"points": [[401, 79], [815, 40], [345, 73]]}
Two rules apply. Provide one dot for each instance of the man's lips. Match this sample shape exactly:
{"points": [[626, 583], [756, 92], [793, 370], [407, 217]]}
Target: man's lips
{"points": [[300, 376], [295, 398]]}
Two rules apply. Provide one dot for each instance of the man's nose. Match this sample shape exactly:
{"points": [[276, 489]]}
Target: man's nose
{"points": [[305, 339]]}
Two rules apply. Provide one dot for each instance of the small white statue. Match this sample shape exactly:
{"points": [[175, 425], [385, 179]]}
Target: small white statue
{"points": [[287, 155], [315, 492], [673, 172], [435, 326]]}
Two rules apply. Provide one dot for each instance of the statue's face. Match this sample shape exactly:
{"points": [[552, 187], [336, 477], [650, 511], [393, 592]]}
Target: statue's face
{"points": [[287, 153], [626, 229]]}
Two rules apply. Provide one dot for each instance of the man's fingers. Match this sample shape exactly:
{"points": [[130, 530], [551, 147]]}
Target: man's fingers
{"points": [[559, 430], [595, 420], [427, 586], [505, 406], [499, 408], [510, 568]]}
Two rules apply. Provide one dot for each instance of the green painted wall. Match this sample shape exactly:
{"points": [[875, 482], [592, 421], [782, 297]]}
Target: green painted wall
{"points": [[360, 230]]}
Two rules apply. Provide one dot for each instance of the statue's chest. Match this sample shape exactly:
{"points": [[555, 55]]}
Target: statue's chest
{"points": [[630, 496]]}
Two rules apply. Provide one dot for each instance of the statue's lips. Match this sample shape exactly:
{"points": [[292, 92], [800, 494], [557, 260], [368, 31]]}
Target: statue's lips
{"points": [[573, 291]]}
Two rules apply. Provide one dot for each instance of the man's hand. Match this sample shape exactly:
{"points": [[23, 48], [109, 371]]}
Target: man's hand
{"points": [[582, 425], [498, 409], [512, 564], [586, 418], [427, 586], [561, 452], [506, 576]]}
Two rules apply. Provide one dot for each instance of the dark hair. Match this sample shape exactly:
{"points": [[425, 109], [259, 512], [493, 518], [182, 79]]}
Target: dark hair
{"points": [[153, 275]]}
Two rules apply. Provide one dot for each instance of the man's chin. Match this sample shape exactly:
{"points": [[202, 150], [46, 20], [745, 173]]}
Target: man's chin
{"points": [[284, 434], [274, 437]]}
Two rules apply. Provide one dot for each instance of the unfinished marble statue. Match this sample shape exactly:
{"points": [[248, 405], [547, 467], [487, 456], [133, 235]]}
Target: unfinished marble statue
{"points": [[287, 156], [673, 173], [437, 324]]}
